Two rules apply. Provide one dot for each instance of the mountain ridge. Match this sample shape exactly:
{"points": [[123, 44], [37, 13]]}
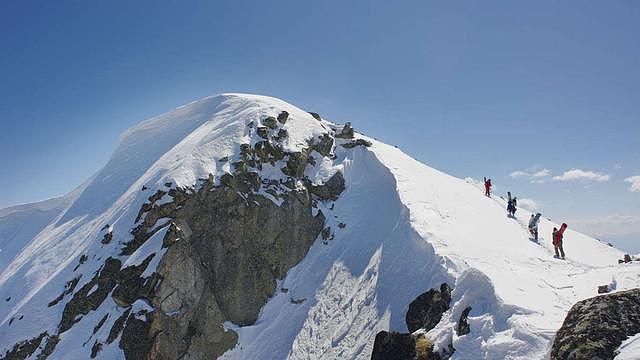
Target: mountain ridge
{"points": [[395, 230]]}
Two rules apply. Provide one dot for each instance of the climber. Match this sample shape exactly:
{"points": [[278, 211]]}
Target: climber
{"points": [[511, 204], [557, 240], [487, 187], [533, 225]]}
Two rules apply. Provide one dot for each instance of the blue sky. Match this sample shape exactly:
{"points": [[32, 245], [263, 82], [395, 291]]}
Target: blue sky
{"points": [[472, 88]]}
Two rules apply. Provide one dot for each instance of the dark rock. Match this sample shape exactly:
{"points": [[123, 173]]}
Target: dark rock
{"points": [[8, 299], [282, 134], [342, 225], [240, 244], [315, 116], [426, 310], [245, 151], [223, 160], [117, 326], [24, 349], [346, 132], [131, 286], [331, 189], [100, 323], [326, 233], [424, 349], [270, 122], [51, 343], [594, 328], [148, 205], [603, 289], [68, 289], [152, 213], [135, 340], [324, 145], [283, 117], [95, 349], [172, 236], [83, 301], [107, 238], [357, 142], [393, 346], [263, 132], [296, 163], [268, 152], [297, 301], [227, 246], [168, 184], [463, 324]]}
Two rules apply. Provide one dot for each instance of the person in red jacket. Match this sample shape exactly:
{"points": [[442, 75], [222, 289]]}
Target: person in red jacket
{"points": [[487, 187], [557, 240]]}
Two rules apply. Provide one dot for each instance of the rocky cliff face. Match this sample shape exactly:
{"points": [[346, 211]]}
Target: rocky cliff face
{"points": [[227, 241], [594, 328]]}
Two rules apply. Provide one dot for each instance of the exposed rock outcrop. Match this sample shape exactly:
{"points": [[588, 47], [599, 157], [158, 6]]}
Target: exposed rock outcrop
{"points": [[331, 189], [357, 142], [283, 116], [426, 310], [394, 345], [594, 328], [315, 115], [463, 324], [27, 349], [227, 242], [403, 346], [227, 246], [346, 132]]}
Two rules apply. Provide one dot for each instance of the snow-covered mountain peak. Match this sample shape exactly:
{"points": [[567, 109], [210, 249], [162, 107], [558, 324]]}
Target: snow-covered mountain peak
{"points": [[240, 225], [179, 146]]}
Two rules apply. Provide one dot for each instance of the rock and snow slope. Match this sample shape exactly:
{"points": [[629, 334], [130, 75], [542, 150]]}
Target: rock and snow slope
{"points": [[398, 229]]}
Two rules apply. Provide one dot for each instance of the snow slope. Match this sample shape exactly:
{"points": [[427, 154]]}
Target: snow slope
{"points": [[630, 349], [20, 223], [408, 228]]}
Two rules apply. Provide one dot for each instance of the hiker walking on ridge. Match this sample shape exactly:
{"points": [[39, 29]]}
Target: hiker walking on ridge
{"points": [[557, 240], [533, 225], [487, 187], [511, 204]]}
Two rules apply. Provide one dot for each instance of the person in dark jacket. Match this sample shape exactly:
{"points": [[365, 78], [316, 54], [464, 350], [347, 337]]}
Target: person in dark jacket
{"points": [[511, 204], [487, 187]]}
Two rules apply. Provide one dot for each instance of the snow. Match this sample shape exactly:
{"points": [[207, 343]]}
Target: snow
{"points": [[408, 228], [629, 349], [474, 232], [20, 223]]}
